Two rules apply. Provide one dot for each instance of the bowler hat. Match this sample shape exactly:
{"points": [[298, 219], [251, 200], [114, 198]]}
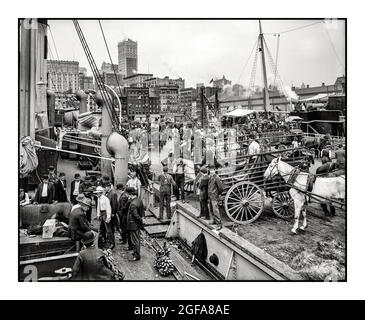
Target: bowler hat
{"points": [[83, 200], [88, 237], [204, 170], [131, 191]]}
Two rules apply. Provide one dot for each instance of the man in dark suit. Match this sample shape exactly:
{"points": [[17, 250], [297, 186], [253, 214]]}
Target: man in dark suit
{"points": [[203, 194], [78, 224], [135, 222], [123, 206], [75, 188], [60, 188], [45, 192], [87, 188], [91, 263]]}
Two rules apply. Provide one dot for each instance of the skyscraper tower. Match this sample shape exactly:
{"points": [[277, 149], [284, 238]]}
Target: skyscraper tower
{"points": [[127, 57]]}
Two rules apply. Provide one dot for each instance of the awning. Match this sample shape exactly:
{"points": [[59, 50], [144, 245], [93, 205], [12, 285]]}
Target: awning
{"points": [[238, 113], [320, 96], [293, 118]]}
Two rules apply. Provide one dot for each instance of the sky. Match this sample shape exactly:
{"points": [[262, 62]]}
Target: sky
{"points": [[199, 50]]}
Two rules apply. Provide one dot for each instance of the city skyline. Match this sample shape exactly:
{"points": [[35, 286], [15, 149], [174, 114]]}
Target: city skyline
{"points": [[309, 52]]}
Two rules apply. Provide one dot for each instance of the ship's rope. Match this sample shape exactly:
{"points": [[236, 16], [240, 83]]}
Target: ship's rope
{"points": [[28, 156]]}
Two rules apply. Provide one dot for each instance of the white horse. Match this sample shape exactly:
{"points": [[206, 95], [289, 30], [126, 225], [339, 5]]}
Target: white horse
{"points": [[326, 187]]}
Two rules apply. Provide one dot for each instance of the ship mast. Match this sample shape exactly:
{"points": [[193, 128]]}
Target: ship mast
{"points": [[266, 91]]}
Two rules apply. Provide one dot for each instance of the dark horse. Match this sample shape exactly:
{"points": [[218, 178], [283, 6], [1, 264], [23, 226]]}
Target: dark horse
{"points": [[315, 143]]}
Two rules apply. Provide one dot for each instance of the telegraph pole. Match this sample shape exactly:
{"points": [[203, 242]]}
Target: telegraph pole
{"points": [[266, 91]]}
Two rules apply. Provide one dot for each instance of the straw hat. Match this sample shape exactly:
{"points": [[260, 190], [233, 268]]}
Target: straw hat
{"points": [[99, 189]]}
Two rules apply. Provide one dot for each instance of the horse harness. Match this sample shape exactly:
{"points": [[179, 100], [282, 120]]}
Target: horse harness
{"points": [[293, 175]]}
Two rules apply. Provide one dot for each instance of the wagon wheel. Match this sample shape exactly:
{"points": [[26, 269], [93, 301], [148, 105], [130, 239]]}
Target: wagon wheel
{"points": [[244, 202], [283, 205]]}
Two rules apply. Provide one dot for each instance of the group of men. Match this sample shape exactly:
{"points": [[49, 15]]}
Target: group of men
{"points": [[208, 186], [117, 210]]}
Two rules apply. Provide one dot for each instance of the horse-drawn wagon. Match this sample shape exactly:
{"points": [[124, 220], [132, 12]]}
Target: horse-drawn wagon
{"points": [[246, 188]]}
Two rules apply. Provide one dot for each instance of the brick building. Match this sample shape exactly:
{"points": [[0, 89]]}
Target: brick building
{"points": [[63, 75]]}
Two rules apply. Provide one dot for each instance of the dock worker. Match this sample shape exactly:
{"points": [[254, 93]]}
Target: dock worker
{"points": [[215, 188], [45, 192], [203, 194], [52, 176], [169, 162], [113, 199], [179, 171], [91, 263], [134, 182], [75, 188], [87, 189], [340, 158], [104, 214], [166, 184], [78, 224], [123, 206], [135, 222], [254, 147], [23, 198], [60, 188]]}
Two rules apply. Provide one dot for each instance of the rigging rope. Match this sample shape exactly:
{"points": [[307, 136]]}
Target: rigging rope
{"points": [[295, 29], [54, 44], [28, 156], [100, 83], [253, 71], [334, 48], [111, 61], [277, 57], [249, 57]]}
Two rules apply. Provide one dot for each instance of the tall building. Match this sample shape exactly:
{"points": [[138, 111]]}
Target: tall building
{"points": [[187, 97], [63, 75], [127, 57]]}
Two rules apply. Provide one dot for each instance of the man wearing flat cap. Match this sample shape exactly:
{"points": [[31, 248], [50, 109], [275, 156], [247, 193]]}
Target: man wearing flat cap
{"points": [[135, 222]]}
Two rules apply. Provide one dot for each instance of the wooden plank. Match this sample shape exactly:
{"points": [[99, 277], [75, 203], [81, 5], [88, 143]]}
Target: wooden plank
{"points": [[157, 230]]}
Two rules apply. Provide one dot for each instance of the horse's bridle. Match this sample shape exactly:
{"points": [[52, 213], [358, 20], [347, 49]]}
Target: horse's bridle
{"points": [[272, 169]]}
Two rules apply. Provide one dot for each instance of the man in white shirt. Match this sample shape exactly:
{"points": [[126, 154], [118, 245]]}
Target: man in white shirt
{"points": [[104, 214], [134, 182], [254, 147]]}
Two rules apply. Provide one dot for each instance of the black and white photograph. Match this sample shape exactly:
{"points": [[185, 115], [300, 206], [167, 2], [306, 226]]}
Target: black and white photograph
{"points": [[182, 149]]}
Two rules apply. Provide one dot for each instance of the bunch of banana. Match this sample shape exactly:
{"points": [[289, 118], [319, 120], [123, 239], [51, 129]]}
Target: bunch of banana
{"points": [[163, 263]]}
